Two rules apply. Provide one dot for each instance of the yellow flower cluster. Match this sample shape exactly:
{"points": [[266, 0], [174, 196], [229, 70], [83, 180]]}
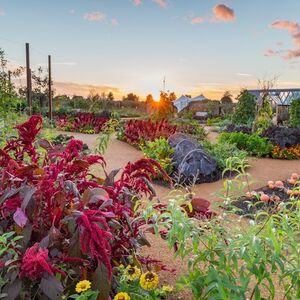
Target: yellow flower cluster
{"points": [[132, 273], [122, 296], [167, 289], [83, 286], [149, 281]]}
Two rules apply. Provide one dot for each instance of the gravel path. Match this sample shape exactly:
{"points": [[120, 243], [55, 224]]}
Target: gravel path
{"points": [[119, 154]]}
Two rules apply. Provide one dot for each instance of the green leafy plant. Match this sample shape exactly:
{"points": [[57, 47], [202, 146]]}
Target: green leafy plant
{"points": [[161, 151], [222, 151], [295, 113], [245, 109], [252, 143]]}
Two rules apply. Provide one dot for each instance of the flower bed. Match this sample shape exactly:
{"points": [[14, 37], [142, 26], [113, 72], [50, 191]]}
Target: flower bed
{"points": [[73, 226], [81, 122], [270, 197], [137, 132]]}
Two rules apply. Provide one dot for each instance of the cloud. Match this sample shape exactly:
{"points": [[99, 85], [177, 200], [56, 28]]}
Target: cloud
{"points": [[137, 2], [95, 16], [293, 29], [244, 74], [223, 13], [161, 3], [114, 22], [72, 11], [284, 24], [197, 20], [2, 12], [72, 88]]}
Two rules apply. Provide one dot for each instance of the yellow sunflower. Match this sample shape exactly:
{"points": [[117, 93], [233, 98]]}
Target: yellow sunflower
{"points": [[149, 281], [122, 296], [83, 286], [132, 273], [167, 288]]}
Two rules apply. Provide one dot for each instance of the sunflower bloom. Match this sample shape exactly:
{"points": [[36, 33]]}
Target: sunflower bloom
{"points": [[132, 273], [122, 296], [149, 281], [167, 288], [83, 286]]}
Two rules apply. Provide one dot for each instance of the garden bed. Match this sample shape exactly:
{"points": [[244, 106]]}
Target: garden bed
{"points": [[268, 198]]}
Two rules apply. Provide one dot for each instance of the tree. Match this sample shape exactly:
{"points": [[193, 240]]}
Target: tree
{"points": [[149, 99], [227, 98], [110, 96], [131, 97], [165, 106], [245, 110], [9, 99]]}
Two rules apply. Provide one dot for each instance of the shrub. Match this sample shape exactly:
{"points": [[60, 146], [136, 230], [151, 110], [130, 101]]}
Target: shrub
{"points": [[295, 113], [238, 128], [252, 143], [283, 136], [245, 109], [72, 223], [193, 128], [139, 131], [161, 151], [81, 122], [222, 151]]}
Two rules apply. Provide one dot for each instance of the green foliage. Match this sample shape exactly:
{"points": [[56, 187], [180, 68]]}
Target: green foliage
{"points": [[222, 151], [165, 107], [161, 151], [295, 113], [258, 260], [252, 143], [245, 109], [103, 139], [192, 127], [263, 119]]}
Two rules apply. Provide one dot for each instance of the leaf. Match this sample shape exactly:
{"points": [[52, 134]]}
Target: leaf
{"points": [[8, 193], [71, 186], [52, 287], [109, 181], [26, 193], [97, 194], [13, 289], [101, 282], [20, 218]]}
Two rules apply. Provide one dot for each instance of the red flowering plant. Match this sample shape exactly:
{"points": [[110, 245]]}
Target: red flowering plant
{"points": [[139, 131], [81, 122], [74, 225]]}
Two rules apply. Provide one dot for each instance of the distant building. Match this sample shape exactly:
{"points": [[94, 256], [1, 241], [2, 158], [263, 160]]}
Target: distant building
{"points": [[183, 101]]}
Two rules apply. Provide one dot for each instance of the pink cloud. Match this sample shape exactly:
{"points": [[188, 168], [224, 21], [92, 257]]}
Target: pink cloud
{"points": [[137, 2], [95, 16], [2, 13], [294, 32], [161, 3], [292, 54], [197, 20], [223, 13], [114, 22], [284, 24]]}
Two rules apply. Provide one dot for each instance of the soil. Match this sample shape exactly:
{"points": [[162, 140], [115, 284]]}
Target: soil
{"points": [[119, 154]]}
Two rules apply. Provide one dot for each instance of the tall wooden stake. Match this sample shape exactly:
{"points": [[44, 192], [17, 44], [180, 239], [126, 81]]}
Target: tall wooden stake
{"points": [[28, 72], [49, 88]]}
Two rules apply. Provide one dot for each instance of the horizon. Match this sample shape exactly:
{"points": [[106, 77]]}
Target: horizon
{"points": [[205, 47]]}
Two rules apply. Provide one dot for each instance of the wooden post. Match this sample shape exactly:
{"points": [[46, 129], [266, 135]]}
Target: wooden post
{"points": [[49, 88], [28, 72]]}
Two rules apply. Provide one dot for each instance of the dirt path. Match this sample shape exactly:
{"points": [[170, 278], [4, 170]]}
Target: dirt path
{"points": [[119, 154]]}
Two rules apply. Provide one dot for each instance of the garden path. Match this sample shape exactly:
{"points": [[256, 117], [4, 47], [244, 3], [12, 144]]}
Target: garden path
{"points": [[119, 153]]}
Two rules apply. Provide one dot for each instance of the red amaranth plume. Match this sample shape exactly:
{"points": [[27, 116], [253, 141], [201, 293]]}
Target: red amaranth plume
{"points": [[36, 263], [30, 129], [95, 236]]}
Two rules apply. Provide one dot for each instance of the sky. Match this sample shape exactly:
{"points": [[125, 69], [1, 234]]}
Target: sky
{"points": [[199, 46]]}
